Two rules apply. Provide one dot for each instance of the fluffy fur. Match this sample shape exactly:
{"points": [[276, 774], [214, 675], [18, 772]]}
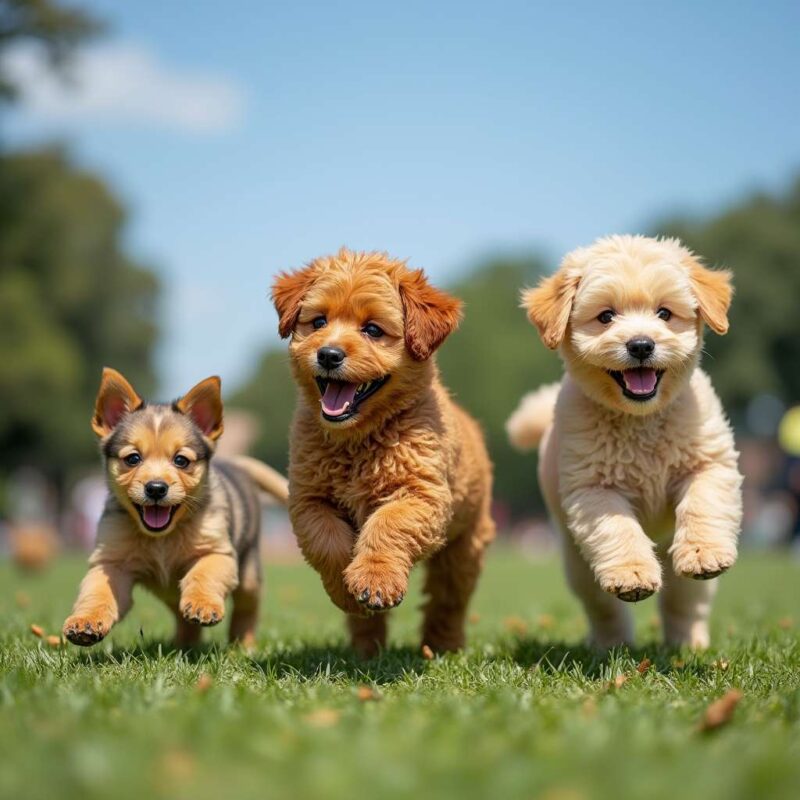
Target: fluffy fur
{"points": [[399, 477], [192, 547], [633, 477]]}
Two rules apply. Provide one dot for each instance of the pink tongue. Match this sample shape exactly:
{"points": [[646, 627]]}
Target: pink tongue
{"points": [[338, 397], [156, 516], [641, 380]]}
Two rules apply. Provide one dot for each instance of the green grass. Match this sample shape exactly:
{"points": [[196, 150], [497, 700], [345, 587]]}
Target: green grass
{"points": [[523, 713]]}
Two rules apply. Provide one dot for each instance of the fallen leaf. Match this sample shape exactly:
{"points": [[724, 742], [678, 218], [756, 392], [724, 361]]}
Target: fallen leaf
{"points": [[37, 630], [204, 682], [784, 623], [618, 682], [54, 641], [720, 712], [644, 665], [427, 653], [474, 619], [323, 718], [367, 693], [515, 625], [545, 621]]}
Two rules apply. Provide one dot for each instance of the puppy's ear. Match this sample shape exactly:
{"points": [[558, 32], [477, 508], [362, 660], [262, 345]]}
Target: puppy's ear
{"points": [[287, 295], [714, 290], [549, 305], [203, 403], [431, 315], [115, 398]]}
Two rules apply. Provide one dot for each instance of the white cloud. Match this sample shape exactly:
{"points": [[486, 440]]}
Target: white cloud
{"points": [[124, 84]]}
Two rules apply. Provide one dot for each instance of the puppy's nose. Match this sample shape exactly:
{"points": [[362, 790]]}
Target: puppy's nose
{"points": [[641, 347], [330, 357], [156, 490]]}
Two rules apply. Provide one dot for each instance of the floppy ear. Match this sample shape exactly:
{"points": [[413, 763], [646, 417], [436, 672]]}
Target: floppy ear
{"points": [[431, 315], [714, 291], [549, 305], [115, 398], [203, 403], [287, 295]]}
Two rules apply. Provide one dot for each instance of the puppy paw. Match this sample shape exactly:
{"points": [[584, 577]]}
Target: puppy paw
{"points": [[201, 609], [376, 583], [702, 561], [86, 630], [633, 581]]}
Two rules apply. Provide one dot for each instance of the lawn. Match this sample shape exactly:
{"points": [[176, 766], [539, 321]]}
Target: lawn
{"points": [[525, 712]]}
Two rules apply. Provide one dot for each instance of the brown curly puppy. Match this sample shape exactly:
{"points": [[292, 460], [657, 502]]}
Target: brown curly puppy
{"points": [[385, 469]]}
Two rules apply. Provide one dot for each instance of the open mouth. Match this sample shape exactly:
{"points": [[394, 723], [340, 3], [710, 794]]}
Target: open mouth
{"points": [[340, 399], [156, 518], [638, 383]]}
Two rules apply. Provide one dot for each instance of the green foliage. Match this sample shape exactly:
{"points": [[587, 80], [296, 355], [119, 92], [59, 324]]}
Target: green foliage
{"points": [[495, 358], [70, 302], [58, 28], [760, 241], [520, 714]]}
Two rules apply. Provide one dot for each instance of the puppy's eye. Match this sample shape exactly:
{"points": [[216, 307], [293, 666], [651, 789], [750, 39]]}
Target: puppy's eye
{"points": [[606, 316], [132, 460], [181, 462], [665, 314], [372, 330], [318, 322]]}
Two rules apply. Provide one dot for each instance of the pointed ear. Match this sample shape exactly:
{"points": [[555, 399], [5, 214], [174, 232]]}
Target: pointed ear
{"points": [[203, 403], [431, 315], [115, 398], [549, 305], [288, 292], [714, 291]]}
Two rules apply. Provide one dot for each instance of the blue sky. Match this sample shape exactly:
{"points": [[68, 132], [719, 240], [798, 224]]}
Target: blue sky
{"points": [[249, 137]]}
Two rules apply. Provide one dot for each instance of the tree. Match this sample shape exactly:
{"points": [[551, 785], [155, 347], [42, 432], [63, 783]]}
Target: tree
{"points": [[71, 301], [58, 28], [759, 239]]}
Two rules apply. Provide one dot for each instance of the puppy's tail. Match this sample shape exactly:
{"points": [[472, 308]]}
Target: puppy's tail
{"points": [[266, 478], [533, 416]]}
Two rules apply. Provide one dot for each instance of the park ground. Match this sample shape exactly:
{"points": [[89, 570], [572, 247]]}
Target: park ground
{"points": [[525, 712]]}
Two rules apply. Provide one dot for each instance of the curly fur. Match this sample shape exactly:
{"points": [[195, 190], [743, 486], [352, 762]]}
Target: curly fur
{"points": [[408, 478], [632, 482]]}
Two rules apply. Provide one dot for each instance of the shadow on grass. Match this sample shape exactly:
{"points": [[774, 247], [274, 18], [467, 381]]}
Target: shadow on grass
{"points": [[558, 657]]}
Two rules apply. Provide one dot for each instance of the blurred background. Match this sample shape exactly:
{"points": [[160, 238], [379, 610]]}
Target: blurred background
{"points": [[160, 162]]}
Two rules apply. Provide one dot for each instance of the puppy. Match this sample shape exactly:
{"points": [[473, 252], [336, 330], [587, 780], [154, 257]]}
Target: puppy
{"points": [[185, 529], [385, 469], [637, 459]]}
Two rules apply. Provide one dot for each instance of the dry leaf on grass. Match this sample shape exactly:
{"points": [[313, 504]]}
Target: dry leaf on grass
{"points": [[720, 712], [545, 621], [37, 630], [427, 653], [53, 641], [618, 682], [515, 625], [367, 693], [204, 682], [474, 619], [784, 623], [323, 718], [644, 665]]}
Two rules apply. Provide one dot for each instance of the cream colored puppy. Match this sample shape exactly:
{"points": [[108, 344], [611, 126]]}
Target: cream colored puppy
{"points": [[638, 464]]}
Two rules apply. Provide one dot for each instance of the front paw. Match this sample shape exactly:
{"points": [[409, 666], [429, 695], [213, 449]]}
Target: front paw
{"points": [[633, 581], [86, 629], [702, 561], [202, 609], [376, 583]]}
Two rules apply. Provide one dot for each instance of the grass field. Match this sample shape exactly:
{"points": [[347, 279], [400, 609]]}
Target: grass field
{"points": [[526, 712]]}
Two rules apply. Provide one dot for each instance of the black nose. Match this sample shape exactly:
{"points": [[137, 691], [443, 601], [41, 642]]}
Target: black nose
{"points": [[156, 490], [330, 357], [641, 348]]}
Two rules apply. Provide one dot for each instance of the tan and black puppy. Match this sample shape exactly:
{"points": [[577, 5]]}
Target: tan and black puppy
{"points": [[186, 529]]}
